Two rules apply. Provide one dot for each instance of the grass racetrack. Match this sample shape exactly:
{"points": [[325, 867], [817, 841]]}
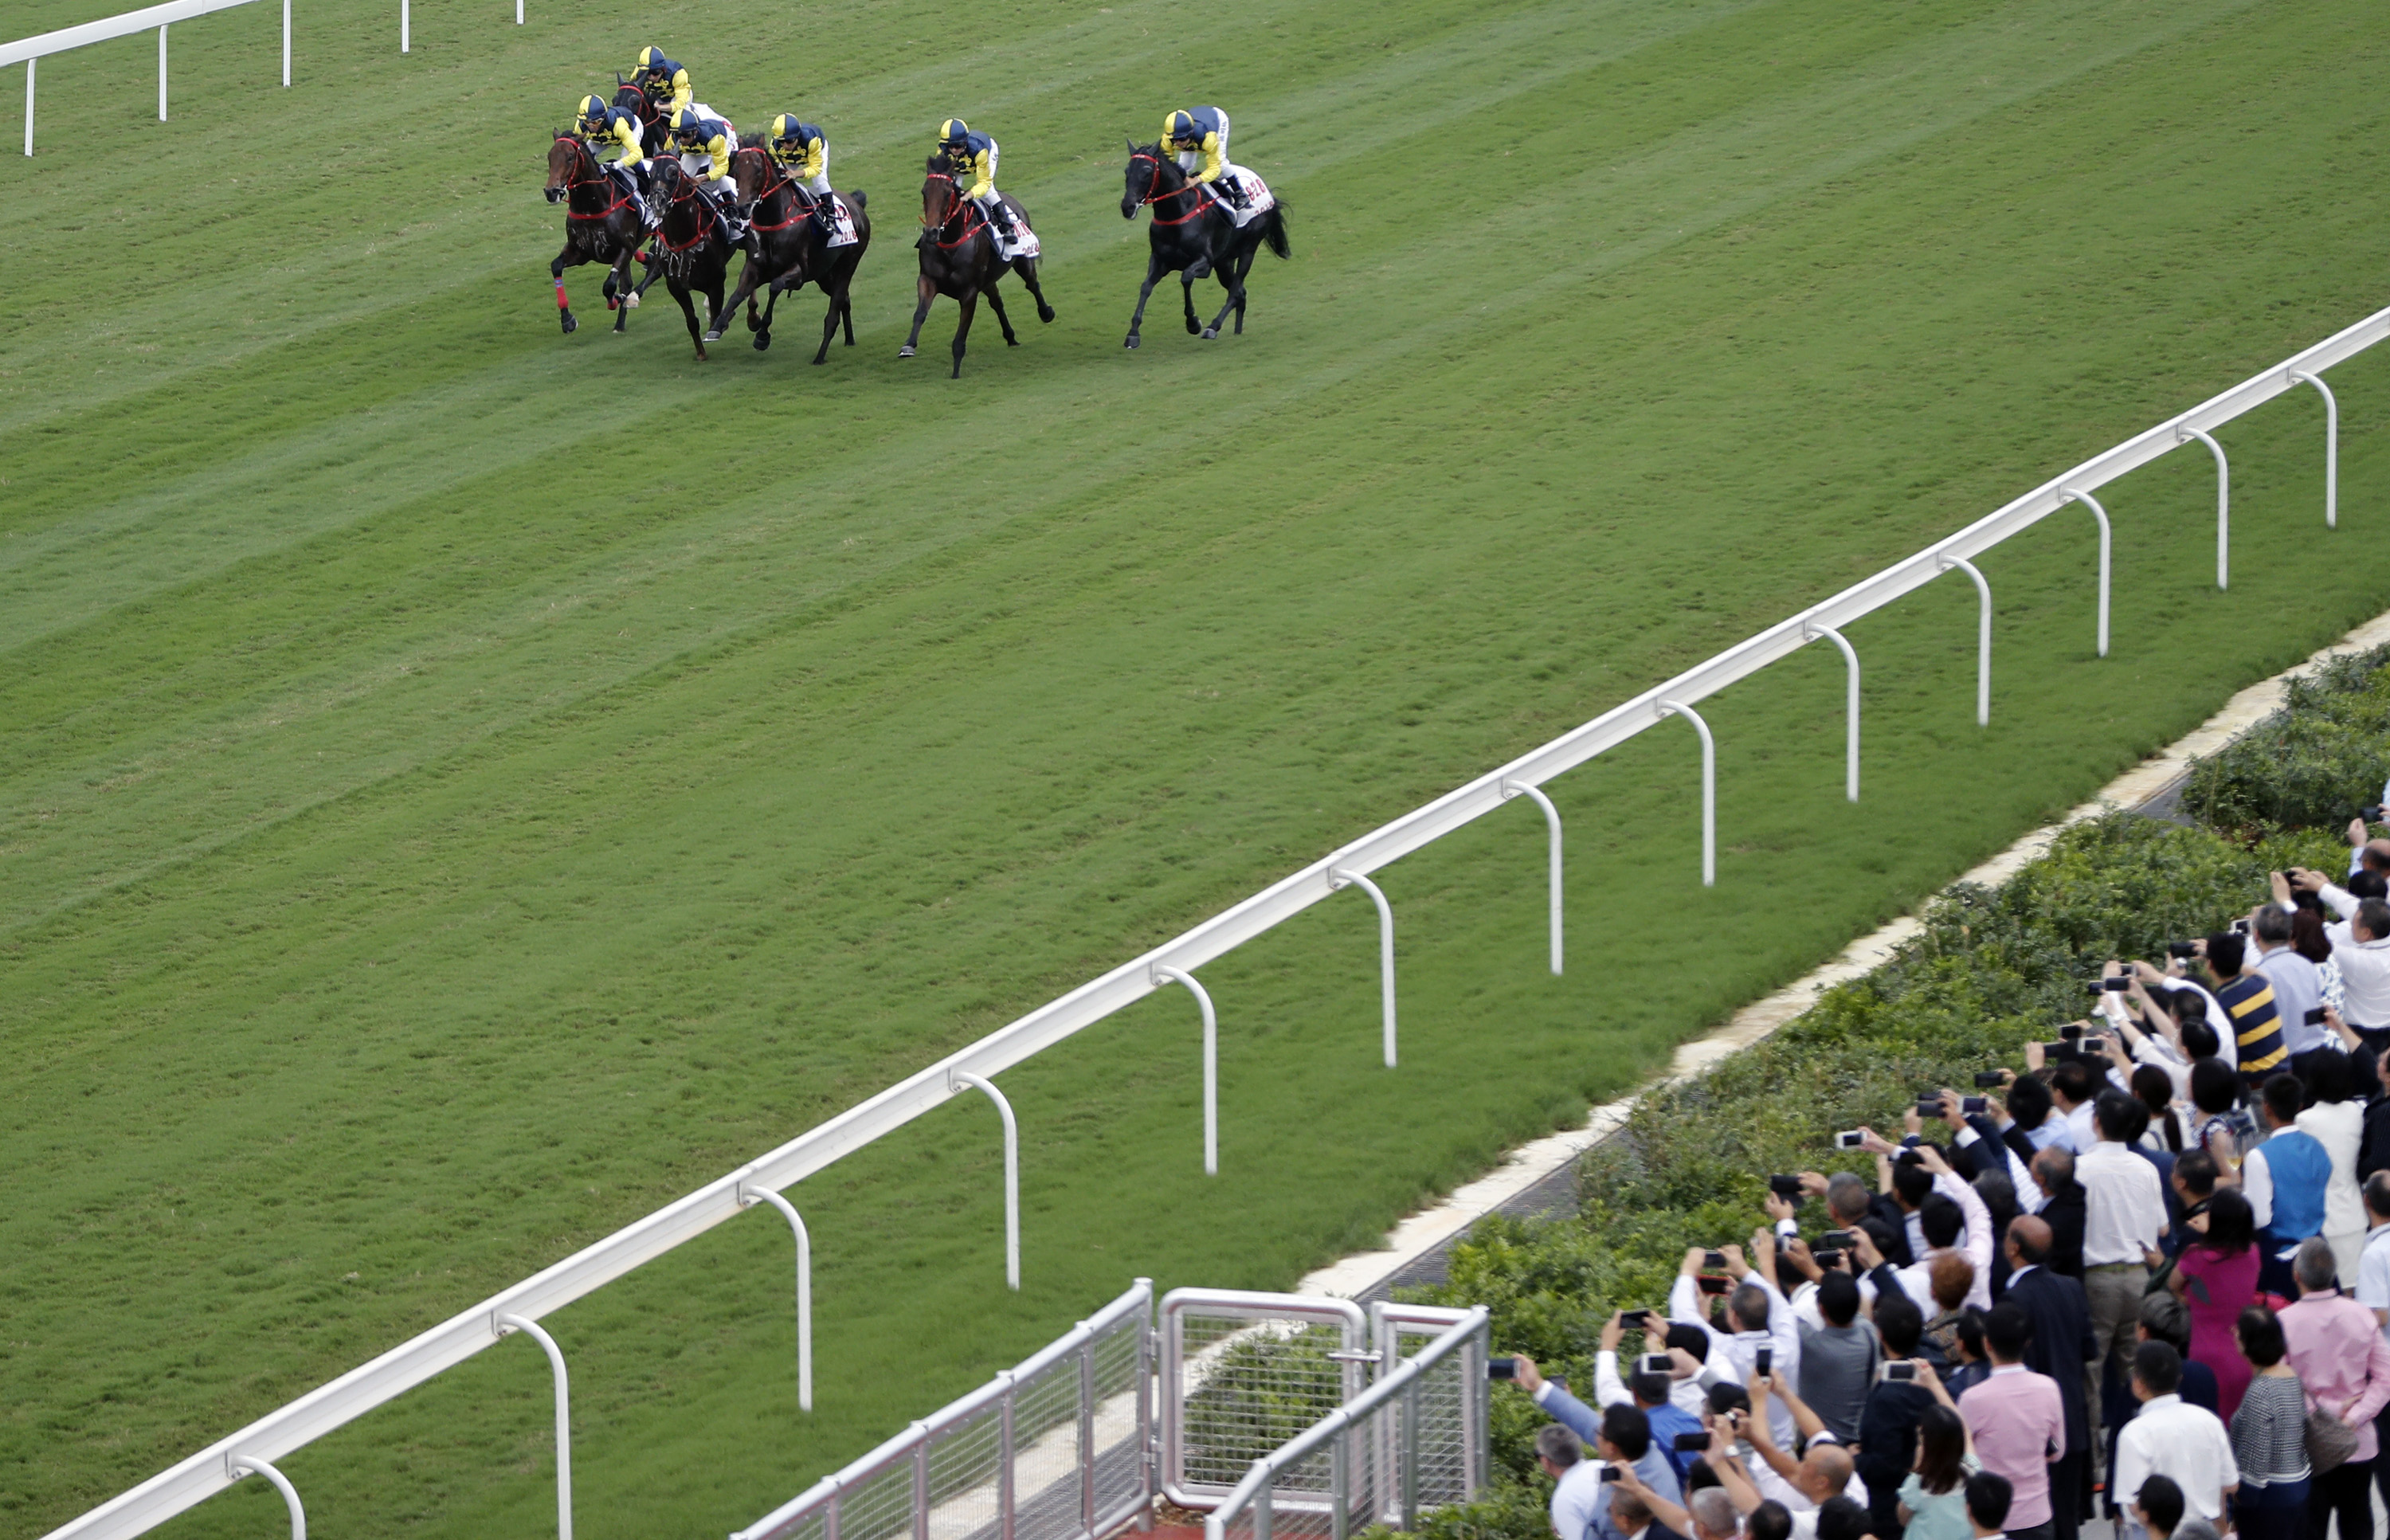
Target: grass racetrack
{"points": [[465, 786]]}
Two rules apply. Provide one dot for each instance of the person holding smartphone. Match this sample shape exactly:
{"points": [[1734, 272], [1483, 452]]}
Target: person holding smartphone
{"points": [[1760, 1316]]}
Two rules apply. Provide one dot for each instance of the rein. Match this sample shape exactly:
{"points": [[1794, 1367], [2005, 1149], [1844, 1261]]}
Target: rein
{"points": [[797, 214], [1182, 190], [705, 226], [964, 209], [582, 157]]}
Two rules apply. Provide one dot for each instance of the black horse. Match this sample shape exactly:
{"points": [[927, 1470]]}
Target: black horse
{"points": [[602, 223], [654, 132], [1191, 235], [958, 258], [791, 249], [689, 244]]}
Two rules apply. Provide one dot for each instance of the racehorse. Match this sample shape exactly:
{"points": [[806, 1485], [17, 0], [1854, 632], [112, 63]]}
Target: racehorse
{"points": [[959, 259], [689, 247], [602, 223], [791, 249], [1193, 234], [653, 131]]}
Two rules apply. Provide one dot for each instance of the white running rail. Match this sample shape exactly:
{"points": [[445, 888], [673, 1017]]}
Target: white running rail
{"points": [[413, 1362], [29, 51]]}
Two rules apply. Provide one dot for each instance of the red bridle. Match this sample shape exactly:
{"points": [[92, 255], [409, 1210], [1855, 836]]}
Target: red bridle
{"points": [[1182, 190], [705, 226], [964, 209], [580, 157], [785, 181]]}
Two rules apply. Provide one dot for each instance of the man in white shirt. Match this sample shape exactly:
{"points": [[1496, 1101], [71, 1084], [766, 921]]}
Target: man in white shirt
{"points": [[1762, 1318], [1576, 1482], [2360, 943], [2071, 1086], [2124, 1218], [1940, 1229], [2170, 1437]]}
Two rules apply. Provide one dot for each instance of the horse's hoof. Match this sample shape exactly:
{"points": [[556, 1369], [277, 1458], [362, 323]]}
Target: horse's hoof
{"points": [[1211, 335], [1131, 342], [763, 341], [905, 352], [701, 354], [753, 323], [570, 326], [1045, 312], [1011, 341], [631, 301], [714, 335], [1193, 329], [610, 302]]}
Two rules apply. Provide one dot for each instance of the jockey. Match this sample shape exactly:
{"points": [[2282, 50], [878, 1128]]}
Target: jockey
{"points": [[705, 146], [800, 150], [600, 125], [653, 74], [1198, 136], [974, 160]]}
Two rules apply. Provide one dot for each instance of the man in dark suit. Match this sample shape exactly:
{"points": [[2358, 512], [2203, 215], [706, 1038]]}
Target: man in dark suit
{"points": [[2053, 1172], [2061, 1343]]}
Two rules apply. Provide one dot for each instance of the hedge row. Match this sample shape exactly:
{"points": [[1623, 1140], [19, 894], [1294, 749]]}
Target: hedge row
{"points": [[1991, 968]]}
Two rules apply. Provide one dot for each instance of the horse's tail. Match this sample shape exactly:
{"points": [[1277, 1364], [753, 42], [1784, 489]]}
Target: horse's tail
{"points": [[1274, 229], [862, 200]]}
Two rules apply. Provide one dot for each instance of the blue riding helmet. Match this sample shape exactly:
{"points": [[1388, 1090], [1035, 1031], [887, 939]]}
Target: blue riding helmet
{"points": [[1181, 126], [953, 134], [688, 126], [592, 109]]}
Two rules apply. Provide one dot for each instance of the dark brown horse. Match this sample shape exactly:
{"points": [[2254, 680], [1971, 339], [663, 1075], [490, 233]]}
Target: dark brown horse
{"points": [[647, 107], [791, 249], [1193, 234], [689, 244], [959, 259], [602, 223]]}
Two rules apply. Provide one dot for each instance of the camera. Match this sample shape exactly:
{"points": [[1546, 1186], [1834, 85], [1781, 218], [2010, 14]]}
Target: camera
{"points": [[1692, 1444], [2121, 984], [2371, 815], [1900, 1371], [1761, 1359], [2182, 949], [1827, 1257], [1784, 1186], [1974, 1106], [1849, 1139], [1501, 1369], [1710, 1283], [2062, 1050], [1990, 1079], [1929, 1106], [1838, 1239], [1655, 1362]]}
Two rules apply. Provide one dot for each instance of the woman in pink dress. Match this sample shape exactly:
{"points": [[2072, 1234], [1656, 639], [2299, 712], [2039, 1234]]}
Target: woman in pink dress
{"points": [[2217, 1278]]}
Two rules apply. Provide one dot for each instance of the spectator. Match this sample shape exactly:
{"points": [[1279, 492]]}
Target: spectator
{"points": [[2163, 1319], [2336, 1118], [1989, 1500], [1952, 1222], [2063, 1207], [2222, 1263], [2298, 993], [1576, 1482], [1889, 1420], [2360, 944], [2337, 1350], [2125, 1218], [2373, 1293], [2248, 1000], [2168, 1437], [1713, 1514], [1952, 1279], [1838, 1519], [1769, 1522], [1760, 1316], [2029, 1106], [2270, 1437], [1970, 1363], [2310, 940], [2072, 1087], [2223, 1129], [2156, 1508], [1802, 1487], [1625, 1440], [1904, 1187], [2193, 1182], [2017, 1419], [1838, 1359], [1658, 1395], [2373, 1145], [2061, 1344], [2156, 1091], [1931, 1504], [1631, 1511], [2284, 1179]]}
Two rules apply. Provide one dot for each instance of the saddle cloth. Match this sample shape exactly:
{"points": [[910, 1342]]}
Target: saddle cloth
{"points": [[1025, 246], [1259, 200], [843, 222]]}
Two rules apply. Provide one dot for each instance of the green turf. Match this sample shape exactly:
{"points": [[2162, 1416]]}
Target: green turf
{"points": [[466, 786]]}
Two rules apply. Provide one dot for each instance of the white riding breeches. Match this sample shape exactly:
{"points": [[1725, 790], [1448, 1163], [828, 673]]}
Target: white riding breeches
{"points": [[989, 204], [1192, 161], [818, 185]]}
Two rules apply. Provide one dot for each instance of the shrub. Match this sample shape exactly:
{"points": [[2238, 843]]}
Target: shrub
{"points": [[2325, 753]]}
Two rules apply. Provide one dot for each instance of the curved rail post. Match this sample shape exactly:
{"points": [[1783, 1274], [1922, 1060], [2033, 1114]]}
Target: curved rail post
{"points": [[1340, 878], [1552, 827], [2068, 495], [1983, 636], [1165, 974], [2223, 499], [2330, 445], [533, 1330], [1709, 787], [161, 74], [1012, 1173], [243, 1465], [1812, 630], [749, 1198]]}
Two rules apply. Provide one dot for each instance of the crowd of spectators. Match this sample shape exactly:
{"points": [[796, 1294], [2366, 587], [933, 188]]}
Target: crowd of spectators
{"points": [[2144, 1272]]}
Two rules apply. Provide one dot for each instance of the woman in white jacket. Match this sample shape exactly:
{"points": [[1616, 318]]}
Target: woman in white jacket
{"points": [[2337, 1121]]}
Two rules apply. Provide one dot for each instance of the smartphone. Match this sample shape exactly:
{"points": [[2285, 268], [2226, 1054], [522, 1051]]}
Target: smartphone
{"points": [[1692, 1444], [1974, 1106], [1501, 1369], [1655, 1362], [2240, 927], [1900, 1371], [1827, 1257], [1655, 1320], [1849, 1139], [1610, 1473], [1908, 1157], [1990, 1079], [1841, 1239], [1713, 1260], [1929, 1106], [2121, 984], [2075, 1029], [1761, 1359], [2060, 1050], [1784, 1186], [2182, 949], [1710, 1283]]}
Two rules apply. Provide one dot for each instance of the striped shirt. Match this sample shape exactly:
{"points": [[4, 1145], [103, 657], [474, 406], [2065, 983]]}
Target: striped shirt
{"points": [[2256, 1026], [2270, 1431]]}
